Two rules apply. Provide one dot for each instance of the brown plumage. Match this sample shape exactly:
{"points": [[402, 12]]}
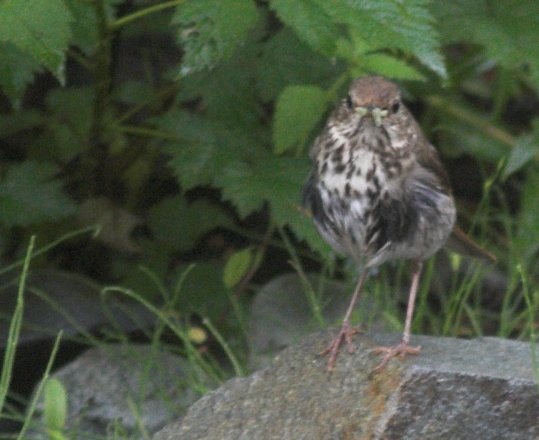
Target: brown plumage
{"points": [[378, 192]]}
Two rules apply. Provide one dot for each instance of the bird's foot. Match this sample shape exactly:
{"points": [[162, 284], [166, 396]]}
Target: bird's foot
{"points": [[345, 335], [400, 350]]}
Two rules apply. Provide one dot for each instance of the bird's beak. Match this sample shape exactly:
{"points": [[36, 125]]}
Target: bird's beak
{"points": [[376, 113]]}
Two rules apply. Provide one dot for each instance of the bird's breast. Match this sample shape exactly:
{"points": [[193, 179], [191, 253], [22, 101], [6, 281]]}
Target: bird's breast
{"points": [[362, 192]]}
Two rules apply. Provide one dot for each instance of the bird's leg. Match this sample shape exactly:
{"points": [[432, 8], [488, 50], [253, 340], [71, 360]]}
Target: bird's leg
{"points": [[346, 332], [403, 348]]}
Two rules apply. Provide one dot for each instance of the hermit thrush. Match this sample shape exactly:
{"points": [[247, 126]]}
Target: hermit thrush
{"points": [[379, 192]]}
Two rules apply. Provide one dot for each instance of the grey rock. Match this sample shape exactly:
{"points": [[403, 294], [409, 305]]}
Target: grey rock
{"points": [[125, 387], [455, 389], [281, 314], [57, 300]]}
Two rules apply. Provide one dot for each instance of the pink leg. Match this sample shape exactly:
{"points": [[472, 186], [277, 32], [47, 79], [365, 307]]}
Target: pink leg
{"points": [[403, 347], [346, 332]]}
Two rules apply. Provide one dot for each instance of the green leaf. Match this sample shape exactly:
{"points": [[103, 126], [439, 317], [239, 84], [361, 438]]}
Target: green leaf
{"points": [[17, 69], [179, 225], [408, 26], [526, 239], [276, 181], [298, 110], [54, 405], [202, 148], [389, 66], [19, 121], [210, 30], [134, 92], [152, 263], [227, 92], [524, 151], [237, 266], [310, 21], [287, 61], [85, 26], [507, 30], [29, 194], [303, 228], [203, 292], [69, 113], [40, 28], [359, 53]]}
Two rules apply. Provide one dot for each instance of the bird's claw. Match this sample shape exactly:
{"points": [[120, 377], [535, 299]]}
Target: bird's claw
{"points": [[345, 335], [400, 350]]}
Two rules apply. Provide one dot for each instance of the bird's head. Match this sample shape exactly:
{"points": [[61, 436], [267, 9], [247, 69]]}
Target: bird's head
{"points": [[374, 98]]}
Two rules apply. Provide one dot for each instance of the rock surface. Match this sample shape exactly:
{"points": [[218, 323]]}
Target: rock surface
{"points": [[121, 389], [456, 389], [60, 300], [281, 315]]}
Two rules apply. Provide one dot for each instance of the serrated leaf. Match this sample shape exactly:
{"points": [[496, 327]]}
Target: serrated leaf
{"points": [[298, 110], [17, 70], [210, 30], [85, 26], [359, 53], [408, 26], [310, 21], [507, 30], [40, 28], [287, 61], [54, 406], [30, 194], [179, 225], [202, 148], [276, 181], [524, 151], [237, 266], [303, 228], [227, 91]]}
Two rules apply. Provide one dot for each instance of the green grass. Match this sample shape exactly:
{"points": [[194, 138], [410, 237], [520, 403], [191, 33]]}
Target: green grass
{"points": [[457, 309]]}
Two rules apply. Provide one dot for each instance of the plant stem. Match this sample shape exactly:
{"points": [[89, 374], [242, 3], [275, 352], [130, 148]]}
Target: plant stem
{"points": [[336, 86], [15, 328], [476, 121], [309, 292], [149, 132], [159, 95], [102, 71], [238, 368], [259, 255], [32, 407], [80, 59], [94, 229], [142, 13], [94, 176]]}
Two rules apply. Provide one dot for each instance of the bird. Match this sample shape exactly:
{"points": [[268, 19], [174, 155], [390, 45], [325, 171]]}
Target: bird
{"points": [[377, 192]]}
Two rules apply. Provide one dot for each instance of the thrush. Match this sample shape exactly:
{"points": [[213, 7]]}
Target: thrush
{"points": [[378, 192]]}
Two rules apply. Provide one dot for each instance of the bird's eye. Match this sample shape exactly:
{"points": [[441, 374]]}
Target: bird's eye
{"points": [[395, 107], [349, 102]]}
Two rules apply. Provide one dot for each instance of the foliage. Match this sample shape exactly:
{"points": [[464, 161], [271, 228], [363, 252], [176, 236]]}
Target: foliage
{"points": [[193, 118], [211, 30]]}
